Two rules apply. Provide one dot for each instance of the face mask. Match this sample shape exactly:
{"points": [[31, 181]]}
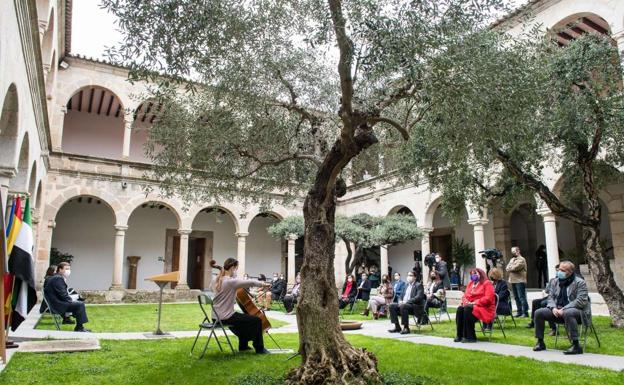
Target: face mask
{"points": [[561, 275], [67, 273], [474, 277], [410, 279], [438, 260], [349, 280], [433, 277]]}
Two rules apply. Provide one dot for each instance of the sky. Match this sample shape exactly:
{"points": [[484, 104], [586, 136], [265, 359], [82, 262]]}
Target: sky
{"points": [[94, 29]]}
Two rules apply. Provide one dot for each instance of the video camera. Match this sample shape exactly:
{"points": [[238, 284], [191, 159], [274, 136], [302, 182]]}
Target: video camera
{"points": [[430, 260], [492, 254]]}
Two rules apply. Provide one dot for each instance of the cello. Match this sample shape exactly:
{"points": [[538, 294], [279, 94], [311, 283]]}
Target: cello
{"points": [[244, 300]]}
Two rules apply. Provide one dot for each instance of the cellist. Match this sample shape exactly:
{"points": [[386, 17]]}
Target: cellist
{"points": [[246, 327]]}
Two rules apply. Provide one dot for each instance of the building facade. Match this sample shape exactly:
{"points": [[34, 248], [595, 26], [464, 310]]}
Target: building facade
{"points": [[72, 133]]}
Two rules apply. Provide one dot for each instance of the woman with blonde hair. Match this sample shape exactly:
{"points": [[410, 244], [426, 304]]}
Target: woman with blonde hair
{"points": [[246, 327]]}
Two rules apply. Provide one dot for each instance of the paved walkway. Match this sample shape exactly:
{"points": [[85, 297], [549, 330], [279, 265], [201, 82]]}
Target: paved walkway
{"points": [[370, 328]]}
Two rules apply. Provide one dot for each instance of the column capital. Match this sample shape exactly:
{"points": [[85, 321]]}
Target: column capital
{"points": [[478, 221], [426, 230], [184, 231], [241, 234], [121, 228], [292, 237], [544, 212]]}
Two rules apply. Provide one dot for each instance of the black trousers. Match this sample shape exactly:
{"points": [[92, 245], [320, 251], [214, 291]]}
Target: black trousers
{"points": [[79, 312], [342, 303], [540, 304], [247, 328], [571, 318], [405, 310], [289, 302], [542, 276], [465, 322]]}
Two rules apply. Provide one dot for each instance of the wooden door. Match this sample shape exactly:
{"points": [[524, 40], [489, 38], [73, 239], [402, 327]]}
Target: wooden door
{"points": [[175, 260], [200, 263]]}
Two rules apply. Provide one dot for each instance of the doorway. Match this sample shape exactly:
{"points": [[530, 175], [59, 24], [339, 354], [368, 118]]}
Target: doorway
{"points": [[198, 258]]}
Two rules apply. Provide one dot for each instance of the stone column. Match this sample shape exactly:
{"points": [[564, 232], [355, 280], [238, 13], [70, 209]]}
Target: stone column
{"points": [[425, 249], [383, 257], [552, 244], [120, 237], [133, 264], [240, 254], [126, 138], [183, 259], [479, 241], [619, 38], [292, 238]]}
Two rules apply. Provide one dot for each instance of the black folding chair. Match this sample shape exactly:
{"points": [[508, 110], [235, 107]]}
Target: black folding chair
{"points": [[437, 311], [498, 322], [209, 324], [586, 327], [57, 317], [510, 314], [418, 324]]}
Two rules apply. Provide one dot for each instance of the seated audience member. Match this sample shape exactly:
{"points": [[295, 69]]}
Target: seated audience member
{"points": [[362, 269], [540, 303], [384, 298], [364, 288], [435, 292], [478, 303], [398, 286], [246, 277], [275, 293], [412, 302], [259, 293], [567, 302], [58, 297], [49, 273], [349, 292], [504, 296], [374, 277], [290, 299]]}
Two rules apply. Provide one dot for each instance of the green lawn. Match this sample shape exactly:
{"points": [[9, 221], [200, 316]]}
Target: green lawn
{"points": [[140, 318], [168, 362]]}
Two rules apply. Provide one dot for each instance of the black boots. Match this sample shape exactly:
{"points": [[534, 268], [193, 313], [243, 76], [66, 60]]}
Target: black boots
{"points": [[539, 346], [574, 349]]}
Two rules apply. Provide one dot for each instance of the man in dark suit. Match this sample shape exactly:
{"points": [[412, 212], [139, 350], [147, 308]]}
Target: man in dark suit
{"points": [[412, 302], [55, 291], [364, 288]]}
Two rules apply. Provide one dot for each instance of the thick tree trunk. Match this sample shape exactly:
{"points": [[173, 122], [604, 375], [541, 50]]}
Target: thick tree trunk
{"points": [[327, 358]]}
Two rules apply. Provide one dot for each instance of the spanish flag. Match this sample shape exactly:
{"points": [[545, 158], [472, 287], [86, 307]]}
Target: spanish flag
{"points": [[21, 265]]}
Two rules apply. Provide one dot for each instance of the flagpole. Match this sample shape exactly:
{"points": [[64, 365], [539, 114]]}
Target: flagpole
{"points": [[10, 315]]}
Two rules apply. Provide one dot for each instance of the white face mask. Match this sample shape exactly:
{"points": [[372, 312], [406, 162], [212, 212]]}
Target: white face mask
{"points": [[410, 279], [67, 273]]}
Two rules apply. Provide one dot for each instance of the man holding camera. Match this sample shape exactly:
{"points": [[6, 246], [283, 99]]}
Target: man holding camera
{"points": [[517, 269]]}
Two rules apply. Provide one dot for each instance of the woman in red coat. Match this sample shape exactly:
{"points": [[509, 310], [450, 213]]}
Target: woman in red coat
{"points": [[478, 303]]}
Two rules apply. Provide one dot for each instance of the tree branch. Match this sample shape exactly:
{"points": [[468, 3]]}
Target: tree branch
{"points": [[401, 129], [345, 46], [555, 205], [272, 162]]}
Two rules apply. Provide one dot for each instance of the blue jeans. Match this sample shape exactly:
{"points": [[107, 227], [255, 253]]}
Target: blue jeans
{"points": [[519, 292]]}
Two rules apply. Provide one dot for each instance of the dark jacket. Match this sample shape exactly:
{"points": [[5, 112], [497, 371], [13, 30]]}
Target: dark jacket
{"points": [[442, 270], [55, 291], [578, 296], [399, 288], [504, 298], [278, 288], [364, 290], [352, 293], [417, 296]]}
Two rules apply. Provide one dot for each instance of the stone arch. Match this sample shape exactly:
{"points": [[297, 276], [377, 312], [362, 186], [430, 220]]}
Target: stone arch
{"points": [[143, 118], [133, 205], [20, 182], [72, 88], [51, 78], [9, 127], [400, 209], [32, 181], [592, 9], [94, 124], [193, 216], [269, 254], [37, 198], [54, 205], [431, 210]]}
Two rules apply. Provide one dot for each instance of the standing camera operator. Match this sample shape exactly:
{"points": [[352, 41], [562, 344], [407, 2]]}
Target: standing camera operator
{"points": [[442, 270]]}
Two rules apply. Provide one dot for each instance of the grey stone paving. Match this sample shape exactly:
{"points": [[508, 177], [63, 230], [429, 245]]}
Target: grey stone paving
{"points": [[370, 328]]}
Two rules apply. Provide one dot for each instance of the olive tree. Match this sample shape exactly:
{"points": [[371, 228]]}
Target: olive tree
{"points": [[270, 100], [512, 111], [358, 232]]}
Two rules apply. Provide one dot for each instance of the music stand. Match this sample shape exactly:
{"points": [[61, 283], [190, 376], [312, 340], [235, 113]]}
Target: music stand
{"points": [[162, 280]]}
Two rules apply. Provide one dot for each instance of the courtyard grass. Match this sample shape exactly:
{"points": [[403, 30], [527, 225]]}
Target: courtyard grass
{"points": [[139, 318], [148, 362]]}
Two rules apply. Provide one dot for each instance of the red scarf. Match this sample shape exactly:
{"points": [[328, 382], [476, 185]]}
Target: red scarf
{"points": [[347, 290]]}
